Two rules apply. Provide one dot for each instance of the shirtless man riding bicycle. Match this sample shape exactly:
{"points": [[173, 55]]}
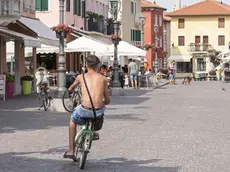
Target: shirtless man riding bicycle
{"points": [[98, 89]]}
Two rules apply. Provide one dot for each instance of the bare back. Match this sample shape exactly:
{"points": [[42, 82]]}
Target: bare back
{"points": [[96, 85]]}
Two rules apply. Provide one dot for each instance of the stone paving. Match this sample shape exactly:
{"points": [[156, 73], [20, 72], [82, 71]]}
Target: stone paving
{"points": [[176, 128]]}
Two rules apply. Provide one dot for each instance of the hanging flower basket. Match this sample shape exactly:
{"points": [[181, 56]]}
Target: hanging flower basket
{"points": [[62, 30], [116, 39]]}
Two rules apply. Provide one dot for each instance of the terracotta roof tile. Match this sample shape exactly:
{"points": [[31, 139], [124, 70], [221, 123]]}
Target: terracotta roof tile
{"points": [[205, 7], [166, 18], [147, 4]]}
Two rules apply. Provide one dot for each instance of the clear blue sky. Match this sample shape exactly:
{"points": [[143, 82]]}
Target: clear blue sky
{"points": [[169, 3]]}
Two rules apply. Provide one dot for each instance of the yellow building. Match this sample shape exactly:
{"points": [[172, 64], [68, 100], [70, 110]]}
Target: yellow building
{"points": [[196, 30]]}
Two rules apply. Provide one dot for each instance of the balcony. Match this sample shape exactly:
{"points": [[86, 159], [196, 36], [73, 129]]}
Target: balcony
{"points": [[100, 26], [137, 43], [193, 47]]}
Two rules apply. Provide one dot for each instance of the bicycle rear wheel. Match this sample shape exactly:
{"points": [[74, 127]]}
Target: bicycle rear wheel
{"points": [[45, 100]]}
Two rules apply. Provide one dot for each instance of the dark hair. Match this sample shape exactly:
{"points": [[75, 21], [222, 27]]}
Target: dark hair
{"points": [[119, 66], [92, 61]]}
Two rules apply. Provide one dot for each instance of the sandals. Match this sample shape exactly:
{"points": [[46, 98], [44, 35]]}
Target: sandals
{"points": [[69, 156], [96, 136]]}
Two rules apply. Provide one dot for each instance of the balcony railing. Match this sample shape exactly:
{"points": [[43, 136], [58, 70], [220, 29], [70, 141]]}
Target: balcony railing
{"points": [[193, 47], [100, 26], [137, 43], [10, 8]]}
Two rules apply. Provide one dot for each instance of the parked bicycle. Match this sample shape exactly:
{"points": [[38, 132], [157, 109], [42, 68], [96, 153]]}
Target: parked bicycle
{"points": [[44, 96]]}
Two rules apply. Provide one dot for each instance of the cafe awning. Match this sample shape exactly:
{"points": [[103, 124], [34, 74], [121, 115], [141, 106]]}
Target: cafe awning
{"points": [[46, 35], [27, 40], [180, 58]]}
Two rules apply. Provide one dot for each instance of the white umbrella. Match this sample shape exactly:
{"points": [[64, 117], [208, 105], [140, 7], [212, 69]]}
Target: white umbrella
{"points": [[126, 49], [86, 44]]}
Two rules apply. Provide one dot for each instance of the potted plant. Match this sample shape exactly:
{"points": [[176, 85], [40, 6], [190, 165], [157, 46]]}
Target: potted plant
{"points": [[62, 30], [116, 39], [110, 29], [26, 84], [148, 46], [9, 85]]}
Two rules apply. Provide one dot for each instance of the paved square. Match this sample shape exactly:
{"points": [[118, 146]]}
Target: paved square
{"points": [[176, 128]]}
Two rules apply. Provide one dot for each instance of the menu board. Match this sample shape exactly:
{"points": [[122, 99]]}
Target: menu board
{"points": [[3, 86]]}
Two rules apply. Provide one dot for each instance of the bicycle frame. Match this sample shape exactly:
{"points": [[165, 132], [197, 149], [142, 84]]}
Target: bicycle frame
{"points": [[85, 134]]}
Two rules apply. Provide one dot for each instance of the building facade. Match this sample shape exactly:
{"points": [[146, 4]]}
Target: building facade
{"points": [[77, 13], [154, 33], [18, 24], [166, 38], [195, 31]]}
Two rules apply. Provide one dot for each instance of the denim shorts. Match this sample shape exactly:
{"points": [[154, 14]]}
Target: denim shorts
{"points": [[133, 77], [80, 112]]}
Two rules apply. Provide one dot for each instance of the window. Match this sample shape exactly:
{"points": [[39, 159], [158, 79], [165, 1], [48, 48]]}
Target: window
{"points": [[83, 9], [135, 35], [68, 5], [42, 5], [201, 65], [221, 40], [181, 40], [133, 7], [184, 67], [160, 20], [221, 22], [205, 39], [181, 23], [156, 23], [77, 7], [161, 41], [197, 39]]}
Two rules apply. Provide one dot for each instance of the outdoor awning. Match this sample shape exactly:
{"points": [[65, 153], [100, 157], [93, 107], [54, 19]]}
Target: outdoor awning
{"points": [[180, 58], [44, 49], [126, 49], [46, 35], [86, 44], [27, 40]]}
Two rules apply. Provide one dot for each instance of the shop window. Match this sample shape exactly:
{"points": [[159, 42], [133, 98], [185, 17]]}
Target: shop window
{"points": [[184, 67], [201, 65]]}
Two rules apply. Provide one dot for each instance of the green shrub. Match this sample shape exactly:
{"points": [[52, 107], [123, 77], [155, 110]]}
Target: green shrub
{"points": [[27, 78]]}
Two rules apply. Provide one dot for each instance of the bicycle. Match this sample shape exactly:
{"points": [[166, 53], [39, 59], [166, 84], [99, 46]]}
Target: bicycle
{"points": [[72, 100], [44, 96]]}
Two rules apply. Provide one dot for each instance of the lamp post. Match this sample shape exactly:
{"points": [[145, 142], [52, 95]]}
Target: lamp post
{"points": [[61, 59], [114, 8], [142, 19], [156, 29]]}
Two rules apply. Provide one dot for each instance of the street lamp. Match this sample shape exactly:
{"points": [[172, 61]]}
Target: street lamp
{"points": [[114, 8], [61, 60], [142, 19]]}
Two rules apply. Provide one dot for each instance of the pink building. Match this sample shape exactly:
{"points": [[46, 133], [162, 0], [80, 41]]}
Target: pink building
{"points": [[76, 12]]}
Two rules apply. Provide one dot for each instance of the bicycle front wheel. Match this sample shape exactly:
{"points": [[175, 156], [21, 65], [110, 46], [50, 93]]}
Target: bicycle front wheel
{"points": [[70, 101], [45, 101], [83, 158]]}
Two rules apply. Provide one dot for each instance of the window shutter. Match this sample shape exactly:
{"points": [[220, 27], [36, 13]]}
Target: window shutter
{"points": [[44, 5], [38, 5], [83, 9], [79, 7], [74, 6], [138, 37], [67, 5], [132, 7]]}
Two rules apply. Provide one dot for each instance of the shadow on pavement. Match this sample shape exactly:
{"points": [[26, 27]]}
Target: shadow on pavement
{"points": [[12, 121], [124, 117], [16, 162]]}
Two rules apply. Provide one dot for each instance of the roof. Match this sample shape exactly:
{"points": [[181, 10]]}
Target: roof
{"points": [[147, 4], [203, 8], [166, 18]]}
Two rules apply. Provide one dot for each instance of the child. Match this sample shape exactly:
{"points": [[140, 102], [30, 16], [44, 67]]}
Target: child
{"points": [[126, 81]]}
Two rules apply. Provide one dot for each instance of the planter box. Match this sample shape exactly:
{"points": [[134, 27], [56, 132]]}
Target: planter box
{"points": [[9, 89]]}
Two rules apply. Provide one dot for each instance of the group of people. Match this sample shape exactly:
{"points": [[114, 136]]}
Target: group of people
{"points": [[126, 73]]}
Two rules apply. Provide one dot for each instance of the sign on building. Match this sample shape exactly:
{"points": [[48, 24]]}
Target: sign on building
{"points": [[3, 87]]}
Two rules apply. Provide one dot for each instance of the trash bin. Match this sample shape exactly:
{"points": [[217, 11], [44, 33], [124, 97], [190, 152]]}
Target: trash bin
{"points": [[26, 87]]}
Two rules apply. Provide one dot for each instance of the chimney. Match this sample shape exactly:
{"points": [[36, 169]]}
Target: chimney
{"points": [[178, 4]]}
